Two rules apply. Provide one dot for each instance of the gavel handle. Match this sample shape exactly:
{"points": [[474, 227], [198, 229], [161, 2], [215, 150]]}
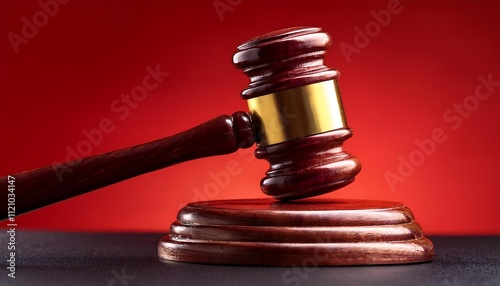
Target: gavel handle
{"points": [[47, 185]]}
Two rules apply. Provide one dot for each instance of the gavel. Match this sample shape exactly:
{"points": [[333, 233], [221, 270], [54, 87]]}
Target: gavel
{"points": [[295, 117], [297, 120]]}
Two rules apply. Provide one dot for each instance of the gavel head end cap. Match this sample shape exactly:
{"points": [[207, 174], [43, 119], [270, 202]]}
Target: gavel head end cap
{"points": [[284, 59]]}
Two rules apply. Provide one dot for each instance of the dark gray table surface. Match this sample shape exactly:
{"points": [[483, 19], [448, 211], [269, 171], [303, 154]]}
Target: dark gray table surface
{"points": [[57, 258]]}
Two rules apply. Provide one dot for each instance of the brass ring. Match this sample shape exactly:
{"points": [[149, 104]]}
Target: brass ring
{"points": [[298, 112]]}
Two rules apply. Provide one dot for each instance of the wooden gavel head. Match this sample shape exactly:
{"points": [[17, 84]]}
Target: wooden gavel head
{"points": [[297, 113]]}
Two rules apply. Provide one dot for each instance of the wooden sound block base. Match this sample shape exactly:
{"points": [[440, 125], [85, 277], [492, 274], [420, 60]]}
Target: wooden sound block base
{"points": [[307, 233]]}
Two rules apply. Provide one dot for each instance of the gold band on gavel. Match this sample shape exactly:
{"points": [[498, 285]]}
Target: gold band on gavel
{"points": [[298, 112]]}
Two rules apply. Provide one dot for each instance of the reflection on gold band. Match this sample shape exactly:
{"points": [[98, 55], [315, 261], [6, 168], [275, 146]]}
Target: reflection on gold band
{"points": [[298, 112]]}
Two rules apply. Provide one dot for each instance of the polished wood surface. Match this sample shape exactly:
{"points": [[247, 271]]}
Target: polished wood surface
{"points": [[41, 187], [314, 231], [284, 59], [308, 166]]}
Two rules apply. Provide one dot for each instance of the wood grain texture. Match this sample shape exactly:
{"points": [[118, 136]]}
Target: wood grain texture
{"points": [[41, 187], [321, 232]]}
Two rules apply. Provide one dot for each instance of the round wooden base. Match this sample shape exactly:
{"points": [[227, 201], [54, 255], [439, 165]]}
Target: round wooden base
{"points": [[307, 233]]}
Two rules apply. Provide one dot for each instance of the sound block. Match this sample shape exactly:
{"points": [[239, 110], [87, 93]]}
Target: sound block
{"points": [[309, 232]]}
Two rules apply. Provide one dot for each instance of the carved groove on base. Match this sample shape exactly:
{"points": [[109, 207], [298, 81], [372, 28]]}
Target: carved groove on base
{"points": [[266, 232]]}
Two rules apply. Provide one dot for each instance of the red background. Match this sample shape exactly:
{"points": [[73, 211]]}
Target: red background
{"points": [[395, 90]]}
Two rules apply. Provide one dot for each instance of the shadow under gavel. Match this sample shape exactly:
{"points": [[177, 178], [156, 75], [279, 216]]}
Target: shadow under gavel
{"points": [[295, 116]]}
